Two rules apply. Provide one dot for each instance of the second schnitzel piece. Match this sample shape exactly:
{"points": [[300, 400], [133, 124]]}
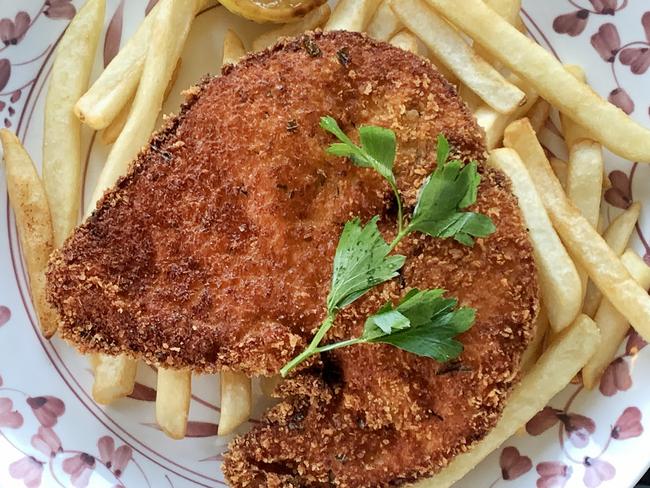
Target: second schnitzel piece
{"points": [[215, 252]]}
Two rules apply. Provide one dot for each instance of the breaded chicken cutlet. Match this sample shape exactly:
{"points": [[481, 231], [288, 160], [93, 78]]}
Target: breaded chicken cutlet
{"points": [[215, 252]]}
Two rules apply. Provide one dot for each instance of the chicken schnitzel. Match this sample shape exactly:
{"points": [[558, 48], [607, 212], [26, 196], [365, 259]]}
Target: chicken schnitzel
{"points": [[215, 252]]}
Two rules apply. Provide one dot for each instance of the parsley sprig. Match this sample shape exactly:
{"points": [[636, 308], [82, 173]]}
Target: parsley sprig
{"points": [[424, 322]]}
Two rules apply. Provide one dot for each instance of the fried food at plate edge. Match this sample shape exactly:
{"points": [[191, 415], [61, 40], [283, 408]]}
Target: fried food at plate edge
{"points": [[33, 221], [277, 11], [296, 194]]}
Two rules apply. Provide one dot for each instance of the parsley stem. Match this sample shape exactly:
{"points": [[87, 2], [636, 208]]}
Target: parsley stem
{"points": [[312, 349], [336, 345], [400, 235]]}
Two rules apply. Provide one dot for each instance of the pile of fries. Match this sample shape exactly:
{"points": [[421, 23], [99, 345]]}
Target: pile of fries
{"points": [[592, 286]]}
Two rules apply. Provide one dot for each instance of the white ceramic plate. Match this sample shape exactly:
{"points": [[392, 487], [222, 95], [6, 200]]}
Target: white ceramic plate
{"points": [[53, 434]]}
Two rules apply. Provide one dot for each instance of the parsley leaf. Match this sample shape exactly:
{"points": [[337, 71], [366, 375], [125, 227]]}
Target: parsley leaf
{"points": [[449, 189], [361, 262], [423, 323], [434, 322]]}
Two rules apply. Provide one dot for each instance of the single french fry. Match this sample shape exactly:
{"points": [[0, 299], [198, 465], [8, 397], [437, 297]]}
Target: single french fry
{"points": [[560, 168], [315, 18], [118, 83], [114, 377], [584, 182], [236, 401], [606, 122], [536, 346], [538, 114], [586, 246], [173, 395], [352, 15], [168, 35], [407, 41], [558, 278], [384, 24], [552, 372], [494, 123], [33, 221], [233, 48], [450, 47], [110, 134], [617, 236], [62, 165], [613, 326]]}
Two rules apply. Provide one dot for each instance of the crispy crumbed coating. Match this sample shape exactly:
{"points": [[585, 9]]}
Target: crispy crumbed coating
{"points": [[215, 252]]}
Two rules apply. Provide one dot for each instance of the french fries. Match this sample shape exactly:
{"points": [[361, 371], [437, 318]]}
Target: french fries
{"points": [[62, 166], [608, 124], [558, 278], [452, 50], [407, 41], [584, 183], [613, 326], [167, 37], [268, 384], [118, 83], [385, 23], [315, 18], [29, 203], [494, 123], [279, 11], [114, 377], [233, 48], [617, 236], [573, 133], [236, 401], [552, 372], [173, 394], [352, 15], [586, 246], [472, 100]]}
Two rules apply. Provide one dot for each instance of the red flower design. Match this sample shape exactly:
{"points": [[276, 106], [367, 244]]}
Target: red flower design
{"points": [[615, 378], [572, 23], [628, 424], [543, 420], [619, 194], [29, 470], [597, 471], [637, 58], [46, 441], [553, 474], [513, 465], [47, 409], [5, 315], [634, 343], [9, 417], [114, 459], [606, 42], [12, 31], [80, 468], [60, 9]]}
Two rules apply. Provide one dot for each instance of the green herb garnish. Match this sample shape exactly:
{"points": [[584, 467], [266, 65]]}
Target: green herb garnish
{"points": [[423, 323]]}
